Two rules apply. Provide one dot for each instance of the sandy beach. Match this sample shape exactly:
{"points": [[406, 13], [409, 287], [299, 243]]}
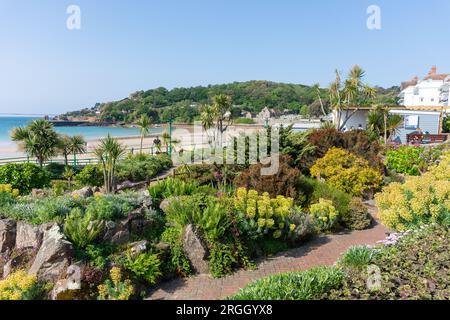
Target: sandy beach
{"points": [[188, 137]]}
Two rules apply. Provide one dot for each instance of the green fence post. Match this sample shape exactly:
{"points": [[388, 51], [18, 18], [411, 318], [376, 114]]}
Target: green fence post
{"points": [[170, 136]]}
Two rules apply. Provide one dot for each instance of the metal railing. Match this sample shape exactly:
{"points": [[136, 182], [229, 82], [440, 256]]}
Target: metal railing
{"points": [[80, 159]]}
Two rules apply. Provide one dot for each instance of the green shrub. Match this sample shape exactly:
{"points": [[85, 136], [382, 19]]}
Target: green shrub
{"points": [[97, 254], [260, 216], [81, 228], [316, 190], [142, 167], [346, 172], [221, 259], [357, 257], [171, 187], [214, 220], [324, 214], [357, 142], [178, 262], [306, 285], [24, 176], [55, 170], [145, 266], [358, 217], [41, 210], [406, 160], [209, 174], [413, 160], [110, 207], [91, 175]]}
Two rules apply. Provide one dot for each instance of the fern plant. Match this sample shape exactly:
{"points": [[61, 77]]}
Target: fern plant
{"points": [[144, 266], [81, 229]]}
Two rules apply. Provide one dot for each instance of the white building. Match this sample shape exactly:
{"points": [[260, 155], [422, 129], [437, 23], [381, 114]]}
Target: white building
{"points": [[433, 90]]}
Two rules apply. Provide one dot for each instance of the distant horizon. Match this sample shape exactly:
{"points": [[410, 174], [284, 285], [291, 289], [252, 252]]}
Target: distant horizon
{"points": [[55, 63]]}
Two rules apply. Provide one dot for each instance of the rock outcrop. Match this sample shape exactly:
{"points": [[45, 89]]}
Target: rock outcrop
{"points": [[7, 235], [28, 236], [196, 249], [85, 192], [53, 256]]}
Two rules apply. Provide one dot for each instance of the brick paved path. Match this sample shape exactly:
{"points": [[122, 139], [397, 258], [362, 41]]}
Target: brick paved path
{"points": [[324, 250]]}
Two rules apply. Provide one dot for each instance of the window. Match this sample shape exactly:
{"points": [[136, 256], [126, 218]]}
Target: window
{"points": [[421, 99], [411, 122], [432, 99]]}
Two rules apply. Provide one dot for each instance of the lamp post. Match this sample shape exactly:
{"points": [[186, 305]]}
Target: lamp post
{"points": [[170, 135]]}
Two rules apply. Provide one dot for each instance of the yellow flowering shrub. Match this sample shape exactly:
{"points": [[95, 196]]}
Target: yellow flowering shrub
{"points": [[346, 172], [263, 213], [7, 188], [19, 286], [324, 213], [422, 199], [115, 289]]}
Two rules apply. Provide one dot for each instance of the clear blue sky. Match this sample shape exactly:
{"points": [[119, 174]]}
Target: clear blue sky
{"points": [[124, 46]]}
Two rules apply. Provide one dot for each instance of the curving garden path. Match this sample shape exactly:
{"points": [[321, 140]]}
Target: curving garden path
{"points": [[323, 250]]}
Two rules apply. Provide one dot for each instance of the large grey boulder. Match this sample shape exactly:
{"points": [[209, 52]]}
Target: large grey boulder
{"points": [[66, 289], [7, 235], [28, 236], [54, 255], [85, 192], [195, 249], [116, 232], [19, 260], [136, 248]]}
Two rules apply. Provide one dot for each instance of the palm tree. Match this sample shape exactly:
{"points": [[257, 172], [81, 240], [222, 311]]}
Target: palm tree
{"points": [[207, 118], [69, 174], [216, 116], [109, 152], [393, 124], [222, 106], [144, 125], [71, 145], [351, 94], [64, 147], [381, 123], [316, 87], [37, 139], [77, 146]]}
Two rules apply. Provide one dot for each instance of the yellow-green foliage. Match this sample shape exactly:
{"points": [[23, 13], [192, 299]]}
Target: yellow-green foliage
{"points": [[18, 286], [7, 188], [268, 214], [115, 289], [324, 213], [346, 172], [419, 200]]}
